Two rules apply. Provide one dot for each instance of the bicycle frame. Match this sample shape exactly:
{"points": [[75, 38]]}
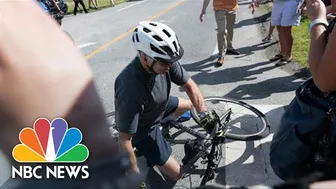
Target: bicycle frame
{"points": [[197, 134], [201, 149]]}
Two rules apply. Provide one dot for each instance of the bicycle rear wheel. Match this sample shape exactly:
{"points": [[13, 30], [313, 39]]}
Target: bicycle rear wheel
{"points": [[245, 122]]}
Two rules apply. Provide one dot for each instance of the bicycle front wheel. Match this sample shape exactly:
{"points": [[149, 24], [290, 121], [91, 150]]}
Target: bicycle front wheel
{"points": [[244, 122]]}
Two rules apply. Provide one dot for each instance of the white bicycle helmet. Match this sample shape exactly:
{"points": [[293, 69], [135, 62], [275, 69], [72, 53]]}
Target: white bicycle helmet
{"points": [[158, 41]]}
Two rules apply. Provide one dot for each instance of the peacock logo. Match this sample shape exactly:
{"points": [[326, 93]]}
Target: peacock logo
{"points": [[50, 142]]}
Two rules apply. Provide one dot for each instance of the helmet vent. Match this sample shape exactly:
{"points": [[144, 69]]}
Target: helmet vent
{"points": [[166, 32], [133, 38], [137, 37], [136, 30], [156, 49], [152, 24], [157, 38], [174, 43], [146, 30], [168, 50]]}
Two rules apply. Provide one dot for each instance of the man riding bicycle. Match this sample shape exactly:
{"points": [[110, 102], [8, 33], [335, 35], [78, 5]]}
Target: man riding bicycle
{"points": [[142, 97]]}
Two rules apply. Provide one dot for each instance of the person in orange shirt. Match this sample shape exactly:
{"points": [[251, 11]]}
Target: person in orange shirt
{"points": [[225, 13]]}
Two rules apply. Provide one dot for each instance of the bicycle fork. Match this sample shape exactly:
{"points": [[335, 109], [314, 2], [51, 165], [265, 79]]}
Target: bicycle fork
{"points": [[209, 173]]}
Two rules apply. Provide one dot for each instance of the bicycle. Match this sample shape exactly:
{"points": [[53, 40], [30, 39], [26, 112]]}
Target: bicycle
{"points": [[199, 147]]}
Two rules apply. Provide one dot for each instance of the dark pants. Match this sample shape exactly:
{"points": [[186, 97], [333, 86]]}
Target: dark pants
{"points": [[154, 147], [76, 6]]}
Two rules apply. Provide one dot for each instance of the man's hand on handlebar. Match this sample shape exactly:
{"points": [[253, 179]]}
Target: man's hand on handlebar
{"points": [[207, 122]]}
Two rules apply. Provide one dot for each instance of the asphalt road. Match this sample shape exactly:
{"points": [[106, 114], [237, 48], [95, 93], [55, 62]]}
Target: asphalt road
{"points": [[104, 38]]}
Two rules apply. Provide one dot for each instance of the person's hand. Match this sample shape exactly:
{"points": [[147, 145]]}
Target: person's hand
{"points": [[201, 16], [207, 122], [254, 5], [134, 170], [316, 10]]}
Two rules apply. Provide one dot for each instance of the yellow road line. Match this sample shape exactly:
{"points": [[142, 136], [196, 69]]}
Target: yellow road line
{"points": [[91, 54]]}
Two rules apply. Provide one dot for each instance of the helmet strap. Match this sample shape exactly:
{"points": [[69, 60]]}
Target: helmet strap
{"points": [[152, 66]]}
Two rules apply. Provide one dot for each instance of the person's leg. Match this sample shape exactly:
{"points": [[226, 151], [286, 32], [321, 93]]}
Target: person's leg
{"points": [[291, 17], [282, 39], [75, 7], [83, 5], [158, 152], [183, 106], [288, 41], [276, 16], [230, 20], [172, 169], [270, 32], [90, 2], [176, 107], [221, 35], [112, 3]]}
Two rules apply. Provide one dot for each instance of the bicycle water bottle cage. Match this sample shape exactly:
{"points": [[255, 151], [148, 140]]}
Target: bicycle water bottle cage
{"points": [[189, 150]]}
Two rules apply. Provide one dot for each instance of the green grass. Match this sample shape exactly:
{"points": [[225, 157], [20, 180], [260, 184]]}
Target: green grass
{"points": [[101, 5], [301, 42]]}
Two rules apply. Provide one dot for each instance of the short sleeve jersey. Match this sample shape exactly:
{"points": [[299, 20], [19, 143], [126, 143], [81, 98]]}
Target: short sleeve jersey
{"points": [[141, 97]]}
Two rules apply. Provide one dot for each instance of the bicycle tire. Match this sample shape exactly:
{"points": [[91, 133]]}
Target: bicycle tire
{"points": [[248, 137]]}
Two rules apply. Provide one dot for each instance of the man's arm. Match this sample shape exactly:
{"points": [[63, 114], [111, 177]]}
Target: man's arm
{"points": [[195, 95], [205, 5], [125, 143], [321, 56], [128, 109]]}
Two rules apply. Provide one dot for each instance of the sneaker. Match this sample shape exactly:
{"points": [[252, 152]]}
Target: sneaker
{"points": [[184, 117]]}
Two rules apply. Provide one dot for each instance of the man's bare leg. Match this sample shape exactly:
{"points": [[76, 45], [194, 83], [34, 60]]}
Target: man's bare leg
{"points": [[282, 40], [183, 106], [288, 41], [172, 169]]}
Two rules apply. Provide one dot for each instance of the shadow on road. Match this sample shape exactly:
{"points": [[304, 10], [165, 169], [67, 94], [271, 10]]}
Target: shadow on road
{"points": [[265, 88], [253, 20], [228, 75], [249, 50]]}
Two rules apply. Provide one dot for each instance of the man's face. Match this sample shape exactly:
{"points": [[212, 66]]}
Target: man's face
{"points": [[161, 67]]}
